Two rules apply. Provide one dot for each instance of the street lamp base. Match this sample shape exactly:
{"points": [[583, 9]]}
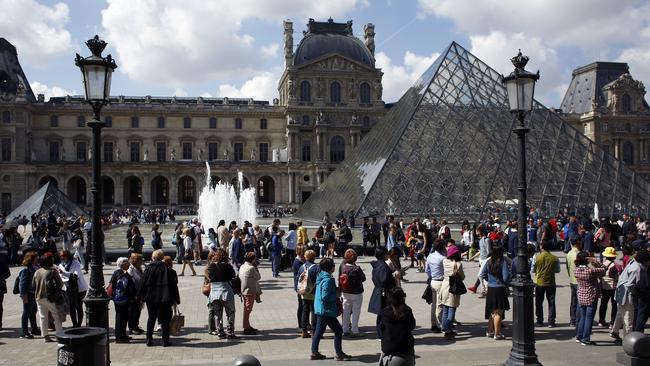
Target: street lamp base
{"points": [[520, 360], [97, 311]]}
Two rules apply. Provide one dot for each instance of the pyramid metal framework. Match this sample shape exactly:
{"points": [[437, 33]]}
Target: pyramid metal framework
{"points": [[447, 148], [47, 198]]}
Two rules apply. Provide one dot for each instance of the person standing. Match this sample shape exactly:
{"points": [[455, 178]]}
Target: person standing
{"points": [[75, 286], [397, 324], [188, 256], [626, 290], [136, 273], [292, 241], [588, 272], [27, 295], [608, 287], [276, 253], [351, 278], [365, 233], [219, 273], [435, 275], [48, 289], [383, 281], [237, 249], [642, 309], [326, 313], [496, 273], [250, 289], [197, 240], [123, 295], [576, 247], [453, 266], [545, 266], [295, 268], [484, 246], [303, 238], [375, 233], [160, 292], [308, 317], [4, 274], [344, 237]]}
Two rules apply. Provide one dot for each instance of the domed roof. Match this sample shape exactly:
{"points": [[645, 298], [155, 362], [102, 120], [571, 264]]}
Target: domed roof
{"points": [[328, 37]]}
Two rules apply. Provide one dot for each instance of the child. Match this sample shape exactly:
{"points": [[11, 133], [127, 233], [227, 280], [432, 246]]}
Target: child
{"points": [[419, 253]]}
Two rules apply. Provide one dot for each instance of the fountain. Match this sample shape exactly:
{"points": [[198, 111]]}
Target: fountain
{"points": [[220, 202]]}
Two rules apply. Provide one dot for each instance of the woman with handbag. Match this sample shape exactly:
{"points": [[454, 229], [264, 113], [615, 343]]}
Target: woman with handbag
{"points": [[27, 294], [451, 289], [496, 273], [326, 310], [351, 278], [123, 294], [221, 297], [250, 288], [75, 286]]}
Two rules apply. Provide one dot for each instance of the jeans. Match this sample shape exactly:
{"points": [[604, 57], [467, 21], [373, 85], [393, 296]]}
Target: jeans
{"points": [[161, 312], [583, 331], [574, 312], [299, 312], [549, 291], [76, 308], [275, 263], [121, 319], [333, 323], [29, 313], [291, 253], [608, 296], [307, 309], [134, 316], [180, 252], [351, 311], [448, 315], [45, 309], [641, 314], [436, 307], [216, 309]]}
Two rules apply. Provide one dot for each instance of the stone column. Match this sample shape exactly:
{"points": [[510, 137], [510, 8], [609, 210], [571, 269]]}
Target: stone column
{"points": [[617, 149], [146, 189], [639, 152], [290, 145], [319, 143], [291, 187], [119, 189], [173, 189]]}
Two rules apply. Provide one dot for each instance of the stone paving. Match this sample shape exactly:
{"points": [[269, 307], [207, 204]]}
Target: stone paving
{"points": [[278, 342]]}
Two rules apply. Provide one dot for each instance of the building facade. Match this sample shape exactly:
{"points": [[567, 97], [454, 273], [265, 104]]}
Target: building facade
{"points": [[154, 149], [606, 103]]}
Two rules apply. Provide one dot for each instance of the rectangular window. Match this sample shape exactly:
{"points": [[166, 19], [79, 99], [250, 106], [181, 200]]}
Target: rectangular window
{"points": [[81, 121], [238, 123], [161, 122], [135, 122], [306, 150], [108, 120], [264, 152], [81, 151], [239, 151], [6, 202], [54, 121], [213, 122], [161, 151], [135, 152], [213, 150], [6, 149], [187, 122], [54, 151], [187, 151], [108, 152], [263, 124], [6, 116]]}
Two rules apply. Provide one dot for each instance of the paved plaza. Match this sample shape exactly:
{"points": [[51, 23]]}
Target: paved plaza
{"points": [[278, 340]]}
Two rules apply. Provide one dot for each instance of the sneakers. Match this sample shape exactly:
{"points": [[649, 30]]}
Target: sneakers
{"points": [[587, 343], [551, 325], [489, 335], [317, 356], [472, 289]]}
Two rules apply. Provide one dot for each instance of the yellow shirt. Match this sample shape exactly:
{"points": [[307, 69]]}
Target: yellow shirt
{"points": [[302, 236], [571, 265]]}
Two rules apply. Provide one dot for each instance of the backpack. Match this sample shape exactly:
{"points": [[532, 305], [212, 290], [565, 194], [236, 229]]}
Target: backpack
{"points": [[119, 292], [52, 290], [304, 285], [348, 235]]}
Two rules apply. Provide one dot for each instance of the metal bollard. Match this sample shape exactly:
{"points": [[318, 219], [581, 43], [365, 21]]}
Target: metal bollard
{"points": [[246, 360]]}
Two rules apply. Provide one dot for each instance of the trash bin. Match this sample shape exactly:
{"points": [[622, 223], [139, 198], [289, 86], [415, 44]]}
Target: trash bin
{"points": [[82, 346]]}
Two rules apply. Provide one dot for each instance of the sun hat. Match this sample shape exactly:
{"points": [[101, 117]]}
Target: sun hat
{"points": [[610, 252], [452, 250]]}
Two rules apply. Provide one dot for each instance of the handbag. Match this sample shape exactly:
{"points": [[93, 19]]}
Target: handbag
{"points": [[456, 285], [428, 294], [109, 290], [206, 288], [339, 306], [177, 322]]}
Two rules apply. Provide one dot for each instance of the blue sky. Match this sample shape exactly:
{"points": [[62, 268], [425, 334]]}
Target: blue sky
{"points": [[226, 48]]}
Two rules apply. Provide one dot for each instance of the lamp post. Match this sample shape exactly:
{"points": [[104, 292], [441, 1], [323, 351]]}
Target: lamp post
{"points": [[520, 85], [96, 71]]}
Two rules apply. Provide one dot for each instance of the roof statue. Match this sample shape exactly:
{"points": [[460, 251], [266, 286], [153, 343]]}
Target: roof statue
{"points": [[447, 147]]}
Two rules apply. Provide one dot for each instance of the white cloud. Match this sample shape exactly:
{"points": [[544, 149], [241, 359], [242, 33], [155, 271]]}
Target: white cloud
{"points": [[50, 91], [259, 87], [637, 58], [180, 92], [179, 42], [398, 78], [38, 31]]}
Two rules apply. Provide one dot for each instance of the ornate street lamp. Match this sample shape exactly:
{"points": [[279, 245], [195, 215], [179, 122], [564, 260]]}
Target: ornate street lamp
{"points": [[520, 85], [96, 71]]}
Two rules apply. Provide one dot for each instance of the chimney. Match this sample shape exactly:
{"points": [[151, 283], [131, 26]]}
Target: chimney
{"points": [[288, 43], [369, 36]]}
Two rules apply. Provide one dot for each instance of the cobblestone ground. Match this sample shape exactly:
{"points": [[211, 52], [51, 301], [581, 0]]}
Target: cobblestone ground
{"points": [[278, 341]]}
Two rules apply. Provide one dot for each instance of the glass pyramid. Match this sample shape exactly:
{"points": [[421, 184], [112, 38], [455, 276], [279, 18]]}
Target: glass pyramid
{"points": [[447, 148], [47, 198]]}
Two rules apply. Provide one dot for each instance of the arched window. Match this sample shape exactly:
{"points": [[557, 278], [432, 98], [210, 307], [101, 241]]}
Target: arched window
{"points": [[626, 104], [337, 149], [364, 93], [305, 91], [628, 153], [335, 92]]}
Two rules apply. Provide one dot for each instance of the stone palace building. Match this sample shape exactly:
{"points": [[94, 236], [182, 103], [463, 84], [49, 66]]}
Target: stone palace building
{"points": [[154, 149]]}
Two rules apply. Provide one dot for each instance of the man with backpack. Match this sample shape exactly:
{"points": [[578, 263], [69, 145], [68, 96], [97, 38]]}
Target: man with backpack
{"points": [[305, 287]]}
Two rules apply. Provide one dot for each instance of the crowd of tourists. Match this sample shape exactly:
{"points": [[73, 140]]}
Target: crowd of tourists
{"points": [[607, 262]]}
